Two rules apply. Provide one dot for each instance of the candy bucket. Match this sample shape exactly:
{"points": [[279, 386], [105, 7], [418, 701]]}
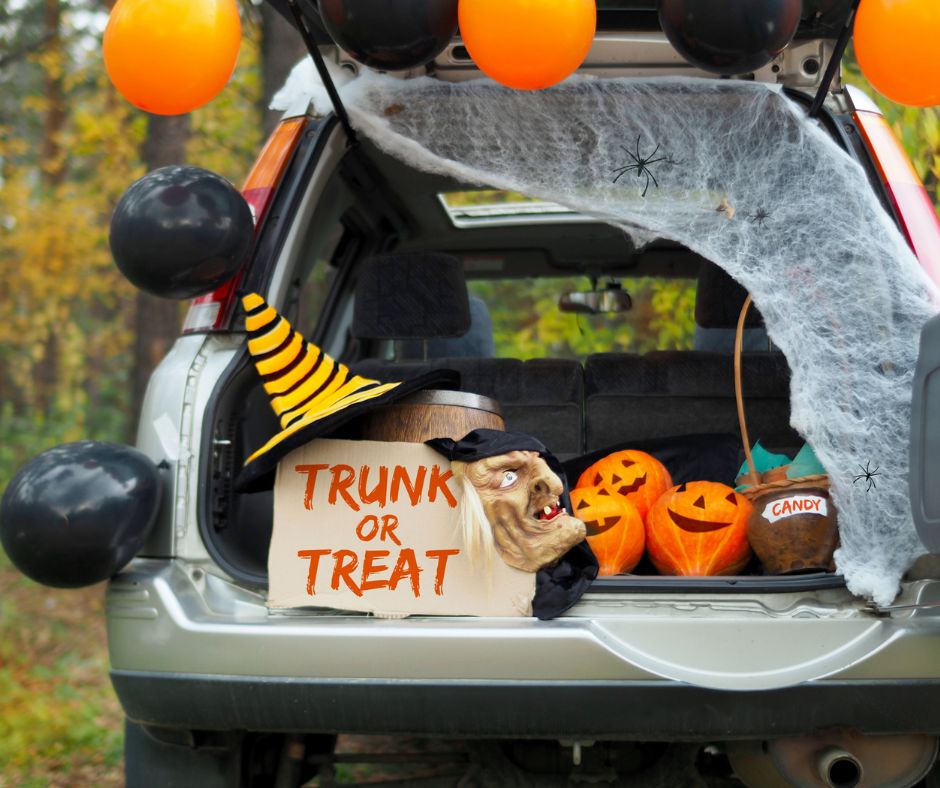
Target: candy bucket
{"points": [[793, 527]]}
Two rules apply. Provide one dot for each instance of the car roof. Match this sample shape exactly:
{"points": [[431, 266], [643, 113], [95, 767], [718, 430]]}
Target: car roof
{"points": [[820, 19], [630, 42]]}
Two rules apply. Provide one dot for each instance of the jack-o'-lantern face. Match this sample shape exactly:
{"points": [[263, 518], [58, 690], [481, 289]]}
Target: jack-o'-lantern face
{"points": [[637, 476], [699, 528], [701, 515], [521, 499], [614, 528], [619, 477], [597, 509]]}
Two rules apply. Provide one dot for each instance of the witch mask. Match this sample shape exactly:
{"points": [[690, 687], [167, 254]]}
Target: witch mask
{"points": [[511, 500]]}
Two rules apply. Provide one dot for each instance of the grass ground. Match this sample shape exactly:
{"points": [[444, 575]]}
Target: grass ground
{"points": [[61, 725], [60, 722]]}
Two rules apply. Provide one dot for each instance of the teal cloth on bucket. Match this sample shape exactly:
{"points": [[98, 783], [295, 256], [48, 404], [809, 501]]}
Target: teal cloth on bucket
{"points": [[763, 461], [806, 463]]}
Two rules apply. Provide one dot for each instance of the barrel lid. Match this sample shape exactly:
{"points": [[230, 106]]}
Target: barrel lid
{"points": [[461, 399]]}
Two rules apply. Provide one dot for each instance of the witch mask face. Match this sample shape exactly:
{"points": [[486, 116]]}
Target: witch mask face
{"points": [[520, 497]]}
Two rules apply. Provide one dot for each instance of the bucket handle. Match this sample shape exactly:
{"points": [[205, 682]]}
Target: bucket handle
{"points": [[738, 394]]}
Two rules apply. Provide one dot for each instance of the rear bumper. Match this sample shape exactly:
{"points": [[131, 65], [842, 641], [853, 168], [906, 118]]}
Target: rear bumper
{"points": [[599, 710], [192, 650]]}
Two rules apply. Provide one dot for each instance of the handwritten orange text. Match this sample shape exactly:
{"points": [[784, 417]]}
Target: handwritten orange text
{"points": [[374, 571], [378, 486]]}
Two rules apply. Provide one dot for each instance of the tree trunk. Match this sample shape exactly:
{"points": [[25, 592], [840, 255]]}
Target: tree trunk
{"points": [[157, 320], [281, 48], [52, 173], [53, 161]]}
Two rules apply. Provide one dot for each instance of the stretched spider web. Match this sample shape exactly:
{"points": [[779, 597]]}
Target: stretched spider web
{"points": [[752, 185]]}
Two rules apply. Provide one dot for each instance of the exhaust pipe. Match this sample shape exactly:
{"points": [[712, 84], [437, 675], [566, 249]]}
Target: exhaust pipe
{"points": [[841, 758], [838, 768]]}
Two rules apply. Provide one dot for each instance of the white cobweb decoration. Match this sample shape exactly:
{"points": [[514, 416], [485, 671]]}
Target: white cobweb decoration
{"points": [[737, 173]]}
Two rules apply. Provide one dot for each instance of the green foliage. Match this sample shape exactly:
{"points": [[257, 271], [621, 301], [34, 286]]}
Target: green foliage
{"points": [[60, 723], [527, 322], [484, 197], [64, 336], [67, 316], [69, 147], [226, 133]]}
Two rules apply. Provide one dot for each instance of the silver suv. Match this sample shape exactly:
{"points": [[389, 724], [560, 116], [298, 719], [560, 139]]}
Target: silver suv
{"points": [[648, 680]]}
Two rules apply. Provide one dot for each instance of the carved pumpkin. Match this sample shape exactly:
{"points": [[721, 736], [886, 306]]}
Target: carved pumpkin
{"points": [[637, 476], [699, 528], [614, 526]]}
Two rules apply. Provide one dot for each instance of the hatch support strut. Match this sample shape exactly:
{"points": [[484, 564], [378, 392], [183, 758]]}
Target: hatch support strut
{"points": [[841, 43], [314, 51]]}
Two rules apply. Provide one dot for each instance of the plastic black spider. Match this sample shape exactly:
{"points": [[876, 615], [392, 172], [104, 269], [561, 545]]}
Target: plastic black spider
{"points": [[868, 475], [759, 218], [642, 166]]}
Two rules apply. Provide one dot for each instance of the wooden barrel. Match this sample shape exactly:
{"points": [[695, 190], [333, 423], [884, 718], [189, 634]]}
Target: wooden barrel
{"points": [[432, 414]]}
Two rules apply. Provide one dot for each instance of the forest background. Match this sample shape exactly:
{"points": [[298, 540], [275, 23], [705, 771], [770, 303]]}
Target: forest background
{"points": [[78, 342]]}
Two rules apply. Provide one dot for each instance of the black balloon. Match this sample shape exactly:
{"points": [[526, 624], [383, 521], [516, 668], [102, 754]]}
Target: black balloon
{"points": [[391, 36], [180, 232], [729, 36], [74, 515]]}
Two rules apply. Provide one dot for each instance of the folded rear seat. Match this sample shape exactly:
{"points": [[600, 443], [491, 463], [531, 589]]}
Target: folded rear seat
{"points": [[668, 393], [420, 301], [673, 393], [541, 397]]}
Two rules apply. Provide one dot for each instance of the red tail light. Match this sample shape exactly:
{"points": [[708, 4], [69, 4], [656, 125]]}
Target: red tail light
{"points": [[213, 312], [911, 201]]}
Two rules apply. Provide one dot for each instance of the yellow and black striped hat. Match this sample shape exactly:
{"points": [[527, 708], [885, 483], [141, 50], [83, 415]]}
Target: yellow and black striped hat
{"points": [[310, 392]]}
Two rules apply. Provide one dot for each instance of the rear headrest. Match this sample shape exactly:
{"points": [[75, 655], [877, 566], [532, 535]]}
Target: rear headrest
{"points": [[719, 299], [413, 295], [476, 343]]}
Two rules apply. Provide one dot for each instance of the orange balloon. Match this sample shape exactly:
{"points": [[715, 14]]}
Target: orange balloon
{"points": [[171, 56], [527, 44], [896, 47]]}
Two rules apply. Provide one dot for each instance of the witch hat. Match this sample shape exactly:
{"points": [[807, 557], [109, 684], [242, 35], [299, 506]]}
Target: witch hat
{"points": [[310, 392]]}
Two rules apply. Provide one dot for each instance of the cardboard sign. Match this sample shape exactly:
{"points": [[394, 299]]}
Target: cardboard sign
{"points": [[372, 526]]}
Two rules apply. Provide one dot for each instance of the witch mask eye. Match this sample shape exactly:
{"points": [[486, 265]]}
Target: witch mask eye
{"points": [[509, 478]]}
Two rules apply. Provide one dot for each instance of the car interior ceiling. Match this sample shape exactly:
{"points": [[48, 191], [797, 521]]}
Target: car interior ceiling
{"points": [[613, 400], [530, 249]]}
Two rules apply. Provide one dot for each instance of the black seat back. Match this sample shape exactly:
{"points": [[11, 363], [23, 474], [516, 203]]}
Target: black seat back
{"points": [[668, 393], [422, 299], [411, 295], [540, 397]]}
